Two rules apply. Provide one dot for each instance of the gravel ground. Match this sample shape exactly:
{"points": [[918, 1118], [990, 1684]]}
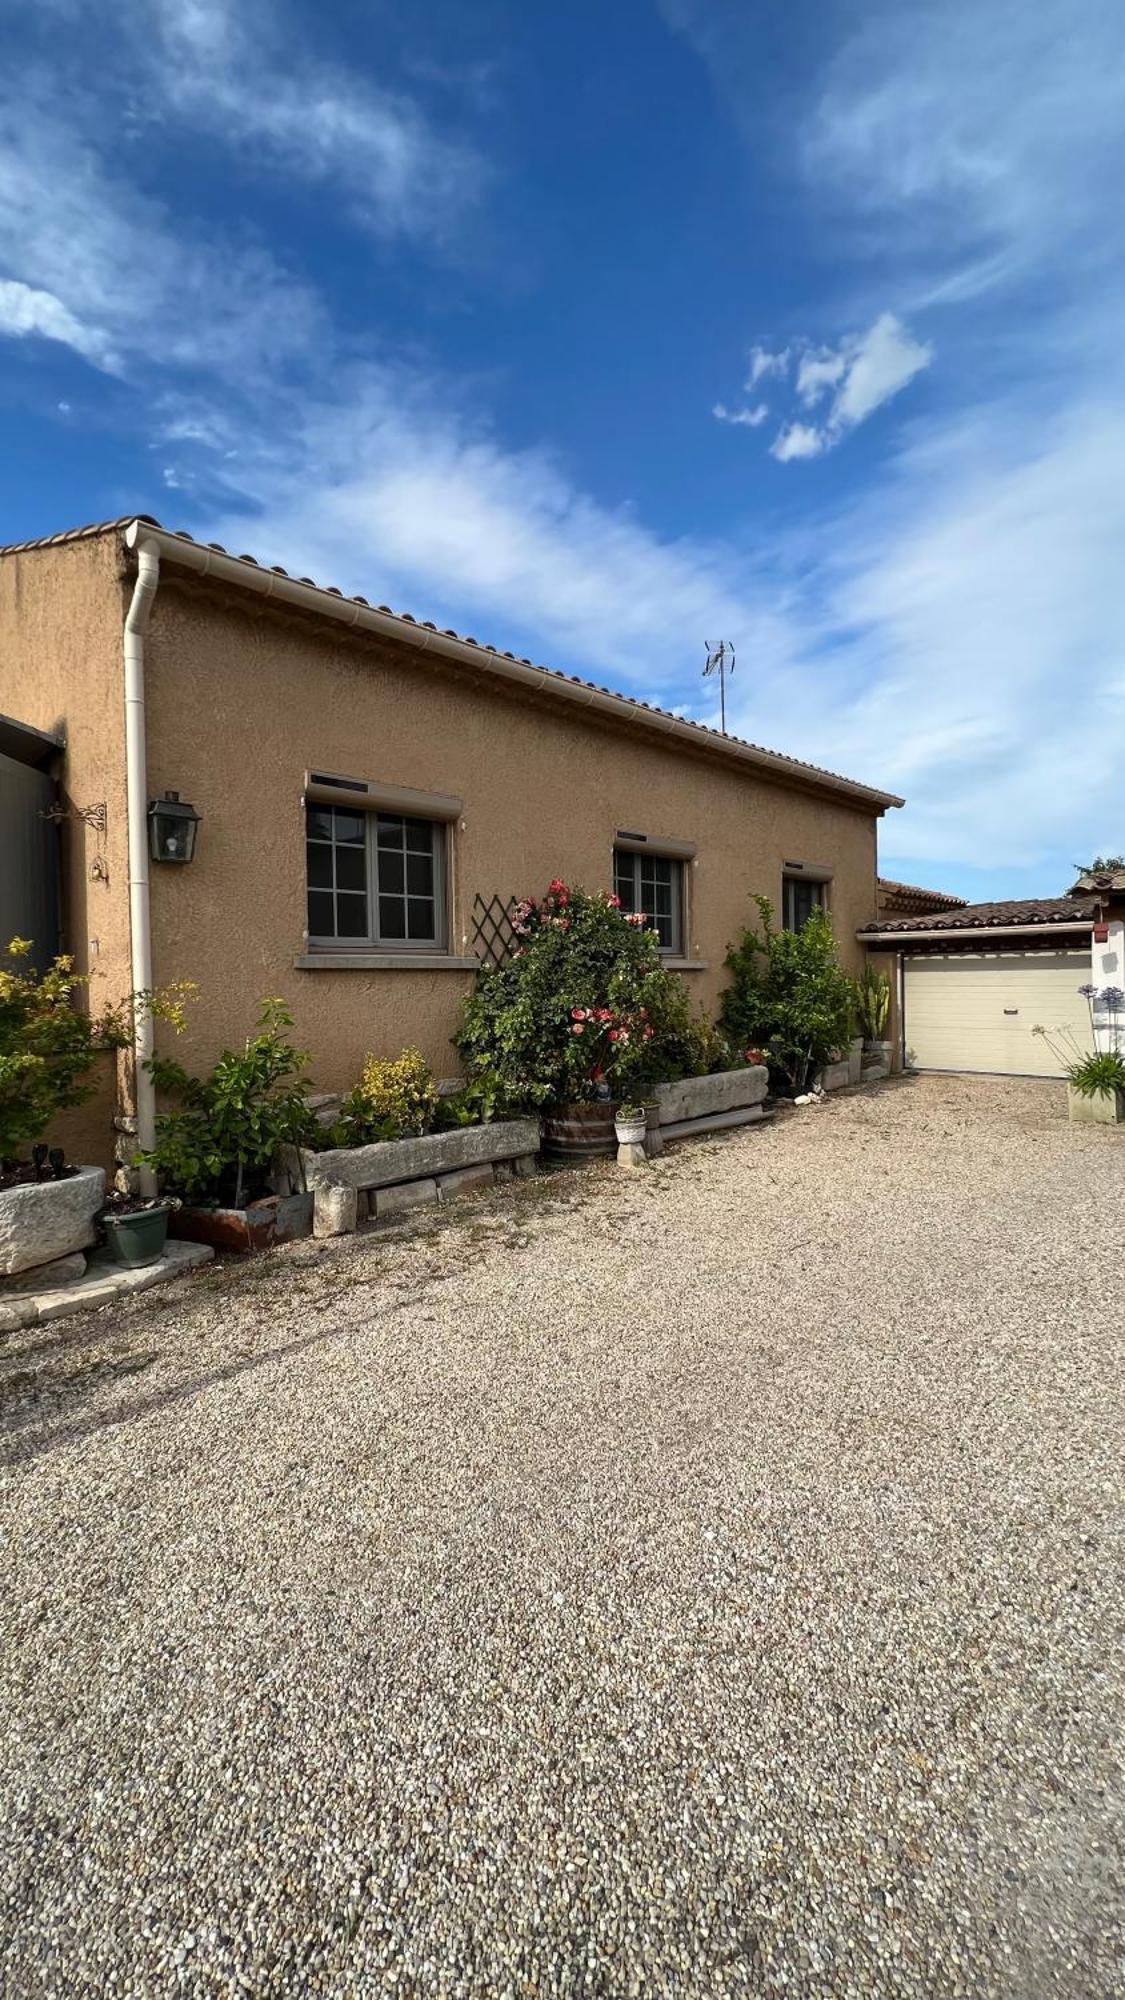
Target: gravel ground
{"points": [[706, 1581]]}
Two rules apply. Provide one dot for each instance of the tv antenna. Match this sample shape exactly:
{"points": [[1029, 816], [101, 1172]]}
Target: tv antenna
{"points": [[720, 660]]}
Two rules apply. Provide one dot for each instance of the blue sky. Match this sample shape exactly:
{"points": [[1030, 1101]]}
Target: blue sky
{"points": [[599, 332]]}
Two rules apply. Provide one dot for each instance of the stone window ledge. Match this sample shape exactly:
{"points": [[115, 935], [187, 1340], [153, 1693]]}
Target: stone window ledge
{"points": [[686, 964], [384, 961]]}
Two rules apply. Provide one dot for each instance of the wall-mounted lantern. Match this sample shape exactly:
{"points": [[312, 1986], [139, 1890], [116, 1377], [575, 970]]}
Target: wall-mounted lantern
{"points": [[171, 828]]}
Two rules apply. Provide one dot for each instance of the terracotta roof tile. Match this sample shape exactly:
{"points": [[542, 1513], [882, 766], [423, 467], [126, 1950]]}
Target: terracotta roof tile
{"points": [[973, 916]]}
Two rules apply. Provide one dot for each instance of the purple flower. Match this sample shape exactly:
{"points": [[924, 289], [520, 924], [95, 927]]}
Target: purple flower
{"points": [[1087, 991], [1113, 998]]}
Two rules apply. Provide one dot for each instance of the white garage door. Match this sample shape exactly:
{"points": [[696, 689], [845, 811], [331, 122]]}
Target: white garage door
{"points": [[977, 1013]]}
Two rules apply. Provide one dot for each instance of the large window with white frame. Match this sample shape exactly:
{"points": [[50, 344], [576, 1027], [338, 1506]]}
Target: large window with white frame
{"points": [[375, 879], [654, 885]]}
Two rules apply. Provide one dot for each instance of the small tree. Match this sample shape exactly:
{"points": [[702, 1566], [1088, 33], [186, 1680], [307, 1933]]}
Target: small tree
{"points": [[49, 1045], [222, 1140], [788, 995], [48, 1048]]}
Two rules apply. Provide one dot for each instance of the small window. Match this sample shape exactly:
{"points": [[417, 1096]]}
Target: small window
{"points": [[800, 898], [654, 884], [375, 879]]}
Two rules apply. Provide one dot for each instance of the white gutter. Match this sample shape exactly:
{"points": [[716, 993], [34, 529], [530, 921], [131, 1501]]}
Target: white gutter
{"points": [[897, 939], [247, 575], [136, 784]]}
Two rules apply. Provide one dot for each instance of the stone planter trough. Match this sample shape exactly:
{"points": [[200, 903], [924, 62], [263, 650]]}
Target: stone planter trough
{"points": [[49, 1223], [397, 1174], [712, 1103], [1106, 1107]]}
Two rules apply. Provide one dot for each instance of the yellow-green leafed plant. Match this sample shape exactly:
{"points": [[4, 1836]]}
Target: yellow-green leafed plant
{"points": [[394, 1099], [49, 1042]]}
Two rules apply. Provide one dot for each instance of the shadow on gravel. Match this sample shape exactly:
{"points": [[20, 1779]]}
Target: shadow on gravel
{"points": [[98, 1373]]}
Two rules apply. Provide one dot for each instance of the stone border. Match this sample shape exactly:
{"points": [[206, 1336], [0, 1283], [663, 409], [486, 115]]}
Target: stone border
{"points": [[102, 1283]]}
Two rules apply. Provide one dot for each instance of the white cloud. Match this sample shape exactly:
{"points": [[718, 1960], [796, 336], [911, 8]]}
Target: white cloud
{"points": [[381, 490], [861, 375], [752, 416], [126, 280], [237, 72], [876, 366], [24, 311], [763, 364], [797, 441], [818, 370], [975, 137]]}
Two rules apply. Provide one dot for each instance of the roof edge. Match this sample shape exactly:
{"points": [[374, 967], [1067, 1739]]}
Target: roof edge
{"points": [[875, 934], [245, 573]]}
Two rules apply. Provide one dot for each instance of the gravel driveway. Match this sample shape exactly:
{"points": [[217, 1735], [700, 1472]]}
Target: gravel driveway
{"points": [[702, 1582]]}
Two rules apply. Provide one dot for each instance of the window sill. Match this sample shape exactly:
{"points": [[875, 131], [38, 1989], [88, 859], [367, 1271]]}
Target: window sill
{"points": [[685, 964], [384, 961]]}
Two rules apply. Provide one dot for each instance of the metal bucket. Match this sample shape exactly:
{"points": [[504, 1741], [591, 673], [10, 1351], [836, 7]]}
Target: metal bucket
{"points": [[580, 1132]]}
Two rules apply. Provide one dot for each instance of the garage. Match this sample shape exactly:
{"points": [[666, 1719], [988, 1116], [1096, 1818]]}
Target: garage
{"points": [[970, 1011], [973, 979]]}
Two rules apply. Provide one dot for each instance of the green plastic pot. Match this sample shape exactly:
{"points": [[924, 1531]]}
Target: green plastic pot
{"points": [[137, 1239]]}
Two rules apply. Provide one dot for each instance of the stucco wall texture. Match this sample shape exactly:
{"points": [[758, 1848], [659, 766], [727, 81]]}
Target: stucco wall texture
{"points": [[61, 613], [242, 702]]}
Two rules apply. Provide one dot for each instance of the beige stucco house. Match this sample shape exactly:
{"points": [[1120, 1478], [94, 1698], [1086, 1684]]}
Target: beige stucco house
{"points": [[369, 789]]}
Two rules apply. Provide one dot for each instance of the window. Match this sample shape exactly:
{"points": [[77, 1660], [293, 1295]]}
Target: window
{"points": [[800, 897], [375, 878], [653, 883]]}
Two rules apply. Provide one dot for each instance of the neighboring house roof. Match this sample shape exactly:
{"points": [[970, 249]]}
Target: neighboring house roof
{"points": [[1024, 913], [211, 558], [1107, 881], [906, 899]]}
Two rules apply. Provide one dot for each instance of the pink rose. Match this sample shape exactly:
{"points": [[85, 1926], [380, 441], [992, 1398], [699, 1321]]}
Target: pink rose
{"points": [[578, 1029]]}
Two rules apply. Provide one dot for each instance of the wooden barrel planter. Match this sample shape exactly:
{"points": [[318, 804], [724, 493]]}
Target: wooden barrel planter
{"points": [[580, 1132]]}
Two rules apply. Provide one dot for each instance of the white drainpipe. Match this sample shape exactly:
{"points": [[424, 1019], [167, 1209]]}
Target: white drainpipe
{"points": [[136, 782]]}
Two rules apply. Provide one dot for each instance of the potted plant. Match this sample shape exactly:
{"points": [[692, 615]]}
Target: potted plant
{"points": [[136, 1230], [630, 1122], [1095, 1077], [873, 1006], [48, 1048], [218, 1147]]}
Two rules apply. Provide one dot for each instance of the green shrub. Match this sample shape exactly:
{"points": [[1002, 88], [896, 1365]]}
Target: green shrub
{"points": [[583, 1006], [48, 1048], [220, 1144], [788, 996], [395, 1098], [48, 1045]]}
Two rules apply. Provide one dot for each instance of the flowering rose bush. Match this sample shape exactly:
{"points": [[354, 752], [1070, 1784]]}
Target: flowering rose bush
{"points": [[583, 1007]]}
